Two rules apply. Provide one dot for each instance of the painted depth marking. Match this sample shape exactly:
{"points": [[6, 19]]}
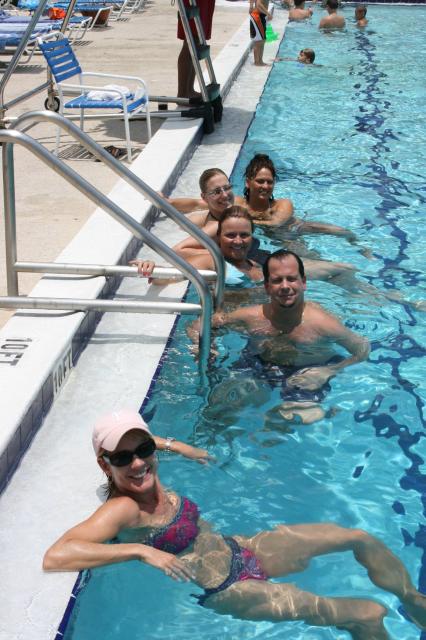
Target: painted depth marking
{"points": [[12, 350], [62, 371]]}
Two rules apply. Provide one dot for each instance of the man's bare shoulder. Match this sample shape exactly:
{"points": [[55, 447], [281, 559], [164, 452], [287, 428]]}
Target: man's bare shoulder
{"points": [[324, 322]]}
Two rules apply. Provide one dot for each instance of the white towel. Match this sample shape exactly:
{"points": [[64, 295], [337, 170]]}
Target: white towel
{"points": [[107, 92]]}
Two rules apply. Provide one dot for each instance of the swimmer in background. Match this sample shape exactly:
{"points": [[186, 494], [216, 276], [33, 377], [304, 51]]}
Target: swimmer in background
{"points": [[258, 11], [141, 520], [360, 13], [333, 20], [306, 56], [299, 12], [291, 339]]}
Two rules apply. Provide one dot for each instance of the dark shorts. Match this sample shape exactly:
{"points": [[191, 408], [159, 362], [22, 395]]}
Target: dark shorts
{"points": [[276, 376], [206, 16]]}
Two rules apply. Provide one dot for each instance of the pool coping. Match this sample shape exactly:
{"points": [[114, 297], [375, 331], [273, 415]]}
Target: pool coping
{"points": [[39, 348]]}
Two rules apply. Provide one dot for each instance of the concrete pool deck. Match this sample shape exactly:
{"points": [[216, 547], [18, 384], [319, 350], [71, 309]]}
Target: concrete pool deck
{"points": [[57, 474]]}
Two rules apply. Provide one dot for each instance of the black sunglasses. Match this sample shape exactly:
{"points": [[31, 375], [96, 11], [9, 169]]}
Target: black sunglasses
{"points": [[123, 458]]}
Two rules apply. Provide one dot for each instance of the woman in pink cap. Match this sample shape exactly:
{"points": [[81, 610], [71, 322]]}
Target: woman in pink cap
{"points": [[159, 527]]}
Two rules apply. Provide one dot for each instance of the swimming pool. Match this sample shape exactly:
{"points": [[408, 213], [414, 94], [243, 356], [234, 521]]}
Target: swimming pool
{"points": [[363, 467]]}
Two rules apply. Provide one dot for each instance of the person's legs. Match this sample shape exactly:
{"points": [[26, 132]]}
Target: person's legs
{"points": [[186, 73], [288, 549], [258, 600]]}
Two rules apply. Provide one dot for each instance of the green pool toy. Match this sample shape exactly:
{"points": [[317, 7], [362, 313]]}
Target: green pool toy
{"points": [[270, 34]]}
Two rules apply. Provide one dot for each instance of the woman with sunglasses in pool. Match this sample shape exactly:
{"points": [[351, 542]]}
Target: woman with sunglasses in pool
{"points": [[156, 526]]}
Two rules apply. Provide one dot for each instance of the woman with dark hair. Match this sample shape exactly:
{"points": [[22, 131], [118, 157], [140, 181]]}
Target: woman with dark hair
{"points": [[260, 175], [158, 527]]}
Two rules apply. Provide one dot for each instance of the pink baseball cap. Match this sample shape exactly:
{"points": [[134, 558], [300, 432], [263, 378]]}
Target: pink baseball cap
{"points": [[109, 429]]}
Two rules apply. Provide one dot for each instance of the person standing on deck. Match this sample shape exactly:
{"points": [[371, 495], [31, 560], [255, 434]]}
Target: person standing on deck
{"points": [[258, 15]]}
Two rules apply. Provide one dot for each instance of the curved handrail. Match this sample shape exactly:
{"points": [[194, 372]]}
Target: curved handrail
{"points": [[127, 175], [11, 137]]}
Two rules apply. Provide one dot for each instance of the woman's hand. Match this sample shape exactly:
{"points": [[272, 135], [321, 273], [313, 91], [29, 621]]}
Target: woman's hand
{"points": [[194, 453], [145, 267], [172, 566]]}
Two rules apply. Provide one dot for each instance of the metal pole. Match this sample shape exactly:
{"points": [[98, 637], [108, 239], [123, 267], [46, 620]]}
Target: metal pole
{"points": [[77, 304], [17, 55], [16, 137], [102, 270], [10, 219], [140, 186], [192, 50]]}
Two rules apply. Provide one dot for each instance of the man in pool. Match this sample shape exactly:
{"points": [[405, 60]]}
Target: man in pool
{"points": [[333, 20], [299, 12], [291, 339]]}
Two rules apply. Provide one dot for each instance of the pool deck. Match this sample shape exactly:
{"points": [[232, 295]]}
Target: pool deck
{"points": [[57, 474]]}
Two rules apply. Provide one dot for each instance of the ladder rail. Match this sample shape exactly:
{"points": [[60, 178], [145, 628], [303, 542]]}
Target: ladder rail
{"points": [[192, 45], [141, 186], [9, 138]]}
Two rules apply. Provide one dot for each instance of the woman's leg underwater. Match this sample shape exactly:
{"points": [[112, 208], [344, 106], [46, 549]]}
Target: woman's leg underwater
{"points": [[288, 549], [258, 600]]}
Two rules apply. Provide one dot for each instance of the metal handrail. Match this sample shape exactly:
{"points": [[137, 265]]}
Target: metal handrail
{"points": [[127, 175], [57, 268], [11, 137]]}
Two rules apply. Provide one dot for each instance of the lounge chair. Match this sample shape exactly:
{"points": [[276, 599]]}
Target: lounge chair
{"points": [[64, 65]]}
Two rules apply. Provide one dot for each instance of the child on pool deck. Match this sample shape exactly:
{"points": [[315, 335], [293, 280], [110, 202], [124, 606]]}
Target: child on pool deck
{"points": [[259, 13]]}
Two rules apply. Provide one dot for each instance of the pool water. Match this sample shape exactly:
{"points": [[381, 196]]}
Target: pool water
{"points": [[348, 140]]}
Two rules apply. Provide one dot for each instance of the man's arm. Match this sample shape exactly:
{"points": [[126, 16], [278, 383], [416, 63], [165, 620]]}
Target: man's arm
{"points": [[331, 328], [263, 9], [238, 318]]}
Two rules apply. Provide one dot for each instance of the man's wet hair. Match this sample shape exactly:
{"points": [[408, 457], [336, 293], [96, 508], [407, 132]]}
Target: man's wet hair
{"points": [[333, 4], [207, 174], [280, 255], [310, 54], [235, 211], [361, 8], [298, 3]]}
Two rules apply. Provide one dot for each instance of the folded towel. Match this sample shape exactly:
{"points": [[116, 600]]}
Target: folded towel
{"points": [[107, 92]]}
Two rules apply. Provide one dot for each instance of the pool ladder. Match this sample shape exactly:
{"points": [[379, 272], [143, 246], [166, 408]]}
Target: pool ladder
{"points": [[204, 309]]}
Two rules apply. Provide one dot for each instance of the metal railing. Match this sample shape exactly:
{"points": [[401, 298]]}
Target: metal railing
{"points": [[11, 137], [138, 184]]}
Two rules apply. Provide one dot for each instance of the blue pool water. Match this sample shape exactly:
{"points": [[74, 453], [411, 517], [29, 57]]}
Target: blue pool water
{"points": [[348, 138]]}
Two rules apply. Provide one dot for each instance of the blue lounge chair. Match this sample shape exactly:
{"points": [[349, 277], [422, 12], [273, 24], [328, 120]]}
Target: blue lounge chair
{"points": [[64, 65]]}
